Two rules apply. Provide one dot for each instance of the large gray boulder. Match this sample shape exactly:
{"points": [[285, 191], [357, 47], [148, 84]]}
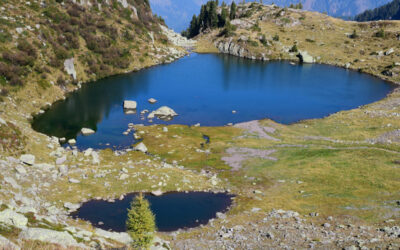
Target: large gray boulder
{"points": [[50, 236], [141, 147], [163, 113], [13, 218]]}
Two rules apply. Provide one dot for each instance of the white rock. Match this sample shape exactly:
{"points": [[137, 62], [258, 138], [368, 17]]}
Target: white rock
{"points": [[71, 206], [21, 170], [157, 193], [13, 218], [87, 131], [7, 244], [162, 112], [70, 68], [72, 142], [63, 169], [74, 181], [95, 158], [152, 100], [305, 57], [88, 152], [50, 236], [27, 159], [130, 105], [165, 129], [123, 176], [141, 147], [61, 160], [390, 51], [120, 237]]}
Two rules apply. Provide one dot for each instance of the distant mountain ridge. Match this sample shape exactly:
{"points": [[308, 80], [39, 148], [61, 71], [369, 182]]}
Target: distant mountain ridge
{"points": [[390, 11], [178, 13]]}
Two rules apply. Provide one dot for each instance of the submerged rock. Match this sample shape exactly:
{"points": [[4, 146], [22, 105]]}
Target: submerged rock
{"points": [[72, 142]]}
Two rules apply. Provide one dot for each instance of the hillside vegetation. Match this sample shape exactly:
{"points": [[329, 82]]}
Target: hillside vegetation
{"points": [[101, 38]]}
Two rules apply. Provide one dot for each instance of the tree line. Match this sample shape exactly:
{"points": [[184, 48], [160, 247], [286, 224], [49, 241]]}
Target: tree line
{"points": [[390, 11], [209, 18]]}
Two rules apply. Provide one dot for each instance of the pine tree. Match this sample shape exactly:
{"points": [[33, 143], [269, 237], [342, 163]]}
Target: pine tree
{"points": [[232, 14], [140, 223]]}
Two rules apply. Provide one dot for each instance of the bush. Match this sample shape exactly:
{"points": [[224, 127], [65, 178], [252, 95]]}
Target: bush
{"points": [[294, 49], [275, 38], [140, 223], [380, 33]]}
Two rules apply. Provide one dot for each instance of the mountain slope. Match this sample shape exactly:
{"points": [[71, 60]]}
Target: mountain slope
{"points": [[60, 42], [390, 11], [178, 13]]}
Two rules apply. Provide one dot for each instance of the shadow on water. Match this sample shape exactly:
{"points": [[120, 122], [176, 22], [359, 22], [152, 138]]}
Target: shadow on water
{"points": [[173, 211], [205, 89]]}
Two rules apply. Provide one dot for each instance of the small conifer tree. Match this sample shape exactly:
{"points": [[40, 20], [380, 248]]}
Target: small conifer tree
{"points": [[140, 223]]}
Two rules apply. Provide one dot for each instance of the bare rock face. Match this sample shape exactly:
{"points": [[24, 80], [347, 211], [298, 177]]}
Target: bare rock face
{"points": [[70, 68], [177, 39], [229, 47], [305, 57]]}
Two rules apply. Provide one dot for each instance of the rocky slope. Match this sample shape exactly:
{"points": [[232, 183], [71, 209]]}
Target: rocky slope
{"points": [[268, 32]]}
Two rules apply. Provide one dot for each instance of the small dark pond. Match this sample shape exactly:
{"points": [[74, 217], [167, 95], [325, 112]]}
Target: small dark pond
{"points": [[173, 211], [206, 89]]}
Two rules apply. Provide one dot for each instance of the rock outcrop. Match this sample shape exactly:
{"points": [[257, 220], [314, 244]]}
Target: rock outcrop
{"points": [[70, 68], [177, 39]]}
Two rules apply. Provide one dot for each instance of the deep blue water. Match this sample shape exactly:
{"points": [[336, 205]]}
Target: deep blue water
{"points": [[172, 211], [206, 89]]}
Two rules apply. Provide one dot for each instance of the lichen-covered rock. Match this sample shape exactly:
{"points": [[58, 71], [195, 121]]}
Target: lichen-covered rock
{"points": [[13, 218]]}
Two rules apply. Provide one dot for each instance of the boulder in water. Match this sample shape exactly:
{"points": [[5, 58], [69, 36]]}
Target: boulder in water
{"points": [[87, 131]]}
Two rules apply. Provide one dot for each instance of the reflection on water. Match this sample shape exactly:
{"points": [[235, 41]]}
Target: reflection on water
{"points": [[205, 89]]}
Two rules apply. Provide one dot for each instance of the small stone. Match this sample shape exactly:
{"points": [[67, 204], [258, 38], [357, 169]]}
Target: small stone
{"points": [[326, 225], [75, 181], [27, 159]]}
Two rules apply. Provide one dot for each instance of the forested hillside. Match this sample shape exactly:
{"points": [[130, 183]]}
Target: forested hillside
{"points": [[390, 11]]}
